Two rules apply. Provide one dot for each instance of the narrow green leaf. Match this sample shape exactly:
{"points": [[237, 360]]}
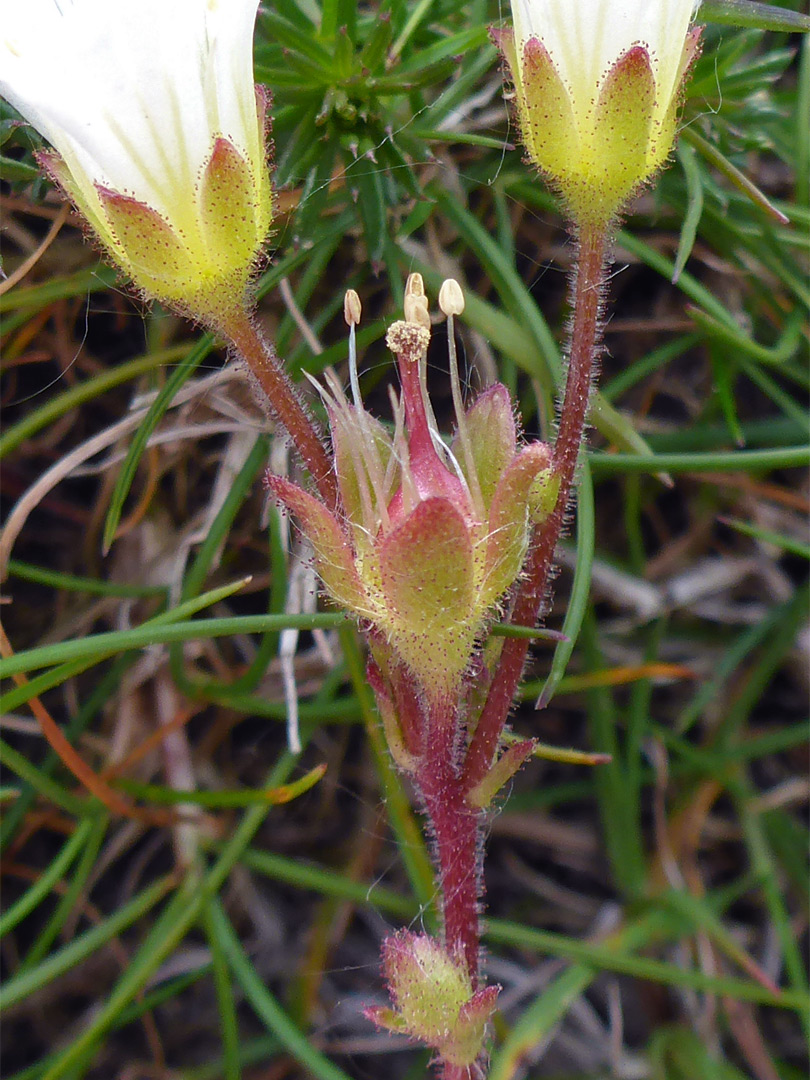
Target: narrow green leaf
{"points": [[788, 457], [229, 1024], [46, 414], [22, 985], [265, 1004], [72, 583], [179, 376], [740, 181], [767, 536], [580, 589], [45, 883], [749, 13], [724, 369], [694, 207], [100, 645]]}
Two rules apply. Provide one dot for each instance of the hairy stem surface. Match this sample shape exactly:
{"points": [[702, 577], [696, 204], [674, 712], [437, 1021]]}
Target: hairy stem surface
{"points": [[585, 337], [456, 831], [260, 357]]}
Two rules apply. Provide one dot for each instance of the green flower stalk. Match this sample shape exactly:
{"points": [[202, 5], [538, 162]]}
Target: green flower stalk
{"points": [[597, 88]]}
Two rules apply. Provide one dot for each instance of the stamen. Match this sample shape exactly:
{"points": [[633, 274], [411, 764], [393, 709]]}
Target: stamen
{"points": [[352, 311], [415, 305], [451, 302], [352, 308]]}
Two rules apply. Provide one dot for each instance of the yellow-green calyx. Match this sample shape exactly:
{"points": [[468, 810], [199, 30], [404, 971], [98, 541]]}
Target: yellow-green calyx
{"points": [[198, 257], [598, 133], [158, 135], [434, 1000]]}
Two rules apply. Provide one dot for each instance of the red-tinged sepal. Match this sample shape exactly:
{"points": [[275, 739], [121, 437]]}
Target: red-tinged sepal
{"points": [[84, 199], [234, 220], [663, 135], [394, 734], [264, 99], [508, 527], [426, 572], [362, 450], [386, 1019], [434, 1000], [468, 1040], [544, 109], [511, 760], [691, 51], [333, 556], [147, 246], [543, 495], [623, 132], [547, 122]]}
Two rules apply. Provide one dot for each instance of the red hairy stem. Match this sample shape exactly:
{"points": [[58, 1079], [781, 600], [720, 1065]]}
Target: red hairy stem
{"points": [[456, 828], [585, 336], [264, 365]]}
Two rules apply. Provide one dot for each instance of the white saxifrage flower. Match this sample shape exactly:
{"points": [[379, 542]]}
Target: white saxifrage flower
{"points": [[158, 130], [597, 88]]}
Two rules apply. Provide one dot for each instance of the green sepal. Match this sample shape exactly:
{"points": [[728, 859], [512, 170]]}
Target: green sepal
{"points": [[500, 773], [543, 495], [434, 998], [355, 438], [426, 572], [546, 115], [146, 245], [233, 221], [508, 526], [622, 129], [493, 436], [333, 556]]}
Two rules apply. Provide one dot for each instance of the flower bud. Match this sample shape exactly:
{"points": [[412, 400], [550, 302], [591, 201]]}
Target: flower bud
{"points": [[433, 998]]}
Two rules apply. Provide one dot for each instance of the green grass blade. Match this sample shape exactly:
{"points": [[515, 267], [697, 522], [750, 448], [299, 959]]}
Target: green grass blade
{"points": [[266, 1006], [177, 379], [43, 886], [580, 588]]}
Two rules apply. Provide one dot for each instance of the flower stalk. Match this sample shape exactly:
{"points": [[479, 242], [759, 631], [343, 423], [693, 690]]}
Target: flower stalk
{"points": [[240, 328], [588, 291], [456, 827]]}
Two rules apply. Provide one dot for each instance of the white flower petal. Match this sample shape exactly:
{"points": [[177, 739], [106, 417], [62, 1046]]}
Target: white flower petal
{"points": [[584, 38], [132, 93]]}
